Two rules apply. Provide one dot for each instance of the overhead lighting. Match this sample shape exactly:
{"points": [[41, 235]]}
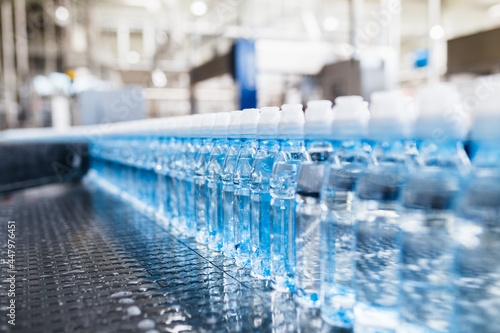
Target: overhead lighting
{"points": [[331, 23], [494, 11], [62, 14], [159, 78], [437, 32], [199, 8]]}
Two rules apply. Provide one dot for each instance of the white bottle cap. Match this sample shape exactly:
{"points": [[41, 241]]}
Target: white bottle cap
{"points": [[249, 122], [221, 125], [207, 123], [292, 121], [487, 116], [268, 122], [234, 124], [196, 125], [351, 118], [391, 115], [319, 118], [440, 117], [187, 122]]}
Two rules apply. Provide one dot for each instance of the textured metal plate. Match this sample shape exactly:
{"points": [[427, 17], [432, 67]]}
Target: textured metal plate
{"points": [[89, 262]]}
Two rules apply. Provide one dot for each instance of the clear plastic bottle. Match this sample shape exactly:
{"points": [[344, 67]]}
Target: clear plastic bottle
{"points": [[283, 184], [181, 160], [242, 175], [338, 210], [214, 180], [477, 228], [260, 198], [228, 170], [194, 144], [427, 291], [377, 226], [200, 178]]}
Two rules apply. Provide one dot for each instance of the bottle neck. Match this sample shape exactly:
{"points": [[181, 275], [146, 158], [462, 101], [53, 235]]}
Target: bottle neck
{"points": [[448, 154], [292, 145], [487, 155]]}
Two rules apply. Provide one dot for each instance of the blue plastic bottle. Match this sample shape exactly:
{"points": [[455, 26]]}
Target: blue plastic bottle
{"points": [[260, 198], [194, 144], [338, 208], [377, 226], [227, 176], [427, 291], [200, 178], [181, 160], [214, 180], [242, 175], [477, 228], [283, 185]]}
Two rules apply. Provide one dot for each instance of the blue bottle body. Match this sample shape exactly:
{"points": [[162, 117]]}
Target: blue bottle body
{"points": [[260, 202], [308, 214], [228, 202], [191, 154], [214, 191], [338, 233], [477, 234], [180, 166], [242, 211], [283, 184], [427, 290], [201, 193], [172, 175]]}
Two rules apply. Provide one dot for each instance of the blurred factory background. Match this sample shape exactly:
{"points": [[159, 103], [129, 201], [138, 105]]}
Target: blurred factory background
{"points": [[79, 62]]}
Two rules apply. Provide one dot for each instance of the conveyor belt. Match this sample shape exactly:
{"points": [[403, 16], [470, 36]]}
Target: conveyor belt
{"points": [[87, 261]]}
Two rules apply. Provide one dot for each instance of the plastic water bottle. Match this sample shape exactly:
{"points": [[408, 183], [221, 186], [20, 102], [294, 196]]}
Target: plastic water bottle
{"points": [[181, 160], [200, 179], [283, 184], [214, 181], [242, 175], [337, 204], [427, 291], [261, 199], [167, 146], [193, 144], [172, 174], [477, 229], [378, 232], [227, 176], [317, 130]]}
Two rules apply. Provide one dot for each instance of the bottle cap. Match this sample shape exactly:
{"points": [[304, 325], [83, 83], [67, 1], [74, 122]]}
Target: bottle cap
{"points": [[221, 125], [207, 123], [196, 125], [439, 113], [268, 122], [319, 118], [249, 122], [351, 118], [391, 115], [487, 116], [234, 124], [292, 121]]}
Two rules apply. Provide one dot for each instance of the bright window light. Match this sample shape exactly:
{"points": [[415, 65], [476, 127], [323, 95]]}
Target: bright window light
{"points": [[62, 14], [494, 11], [437, 32], [331, 23], [159, 78], [199, 8], [133, 57]]}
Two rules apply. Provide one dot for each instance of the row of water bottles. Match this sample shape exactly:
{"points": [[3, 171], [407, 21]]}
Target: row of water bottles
{"points": [[375, 215]]}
